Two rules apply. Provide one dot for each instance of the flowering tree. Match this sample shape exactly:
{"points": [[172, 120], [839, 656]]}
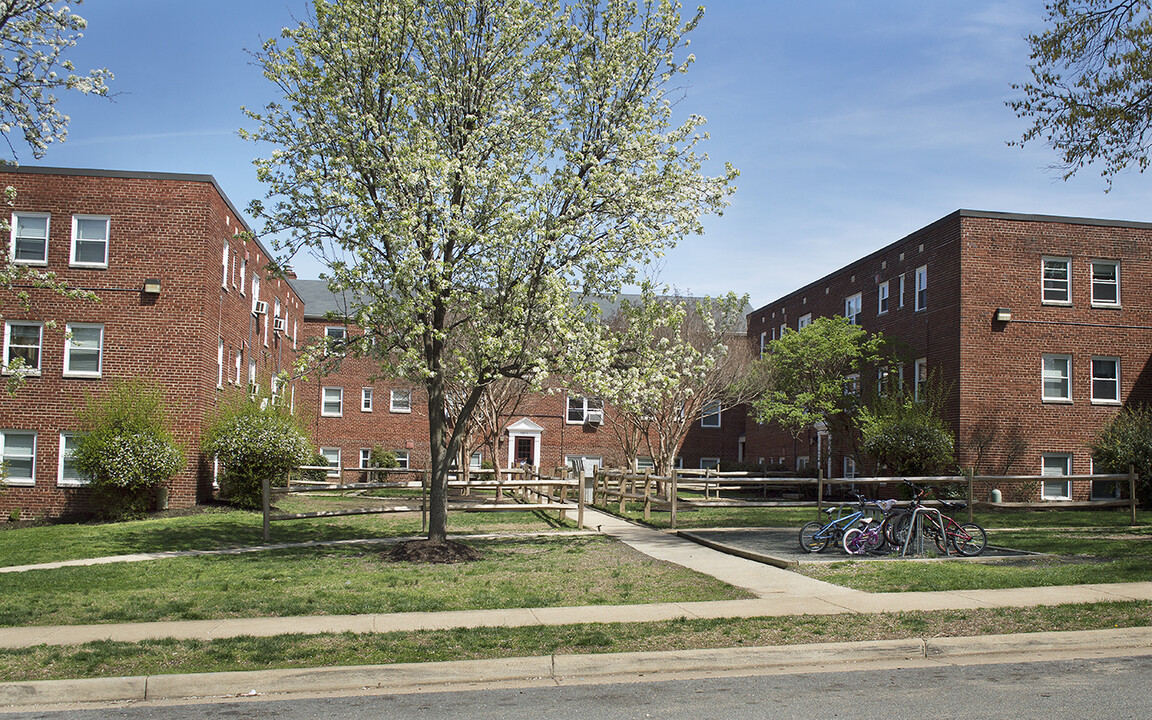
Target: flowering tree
{"points": [[676, 358], [467, 167]]}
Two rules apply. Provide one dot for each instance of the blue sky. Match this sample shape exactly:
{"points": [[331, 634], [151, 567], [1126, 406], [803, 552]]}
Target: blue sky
{"points": [[852, 123]]}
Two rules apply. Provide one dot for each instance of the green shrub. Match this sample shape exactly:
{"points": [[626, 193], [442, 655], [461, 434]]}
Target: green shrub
{"points": [[1127, 441], [127, 450], [254, 441], [907, 436]]}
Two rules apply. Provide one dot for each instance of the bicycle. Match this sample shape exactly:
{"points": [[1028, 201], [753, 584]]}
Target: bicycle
{"points": [[967, 539], [869, 538], [814, 537]]}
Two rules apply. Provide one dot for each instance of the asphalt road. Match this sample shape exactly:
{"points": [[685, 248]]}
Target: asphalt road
{"points": [[1100, 689]]}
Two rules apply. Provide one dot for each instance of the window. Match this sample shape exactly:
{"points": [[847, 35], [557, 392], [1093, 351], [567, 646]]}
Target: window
{"points": [[224, 271], [710, 418], [1057, 282], [332, 404], [580, 407], [763, 342], [89, 241], [476, 460], [804, 321], [335, 337], [276, 387], [18, 452], [1106, 380], [882, 306], [645, 464], [900, 295], [365, 399], [919, 377], [849, 468], [239, 363], [30, 238], [883, 376], [332, 455], [1056, 465], [220, 365], [68, 474], [22, 343], [852, 306], [1105, 282], [401, 459], [1057, 372], [365, 457], [401, 401], [255, 290], [852, 384], [709, 463], [83, 350], [783, 329], [243, 272], [922, 287]]}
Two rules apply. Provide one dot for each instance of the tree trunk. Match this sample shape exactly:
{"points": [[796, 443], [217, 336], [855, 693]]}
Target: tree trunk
{"points": [[438, 482]]}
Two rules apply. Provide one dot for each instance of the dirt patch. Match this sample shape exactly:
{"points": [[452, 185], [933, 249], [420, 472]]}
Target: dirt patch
{"points": [[426, 551]]}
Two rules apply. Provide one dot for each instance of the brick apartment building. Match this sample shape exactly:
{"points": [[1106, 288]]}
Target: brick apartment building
{"points": [[1040, 328], [185, 300]]}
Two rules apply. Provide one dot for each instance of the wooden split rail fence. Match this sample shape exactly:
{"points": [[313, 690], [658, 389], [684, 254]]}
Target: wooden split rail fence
{"points": [[529, 491]]}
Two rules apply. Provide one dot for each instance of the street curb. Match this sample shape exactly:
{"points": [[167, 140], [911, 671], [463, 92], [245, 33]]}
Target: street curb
{"points": [[564, 668]]}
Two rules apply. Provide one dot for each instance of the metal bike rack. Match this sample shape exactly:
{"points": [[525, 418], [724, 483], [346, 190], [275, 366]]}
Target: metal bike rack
{"points": [[916, 530]]}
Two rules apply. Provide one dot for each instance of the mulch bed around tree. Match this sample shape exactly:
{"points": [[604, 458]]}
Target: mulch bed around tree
{"points": [[426, 551]]}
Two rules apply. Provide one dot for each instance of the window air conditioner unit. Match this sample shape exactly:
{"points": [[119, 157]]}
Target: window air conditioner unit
{"points": [[280, 325], [594, 417], [261, 308]]}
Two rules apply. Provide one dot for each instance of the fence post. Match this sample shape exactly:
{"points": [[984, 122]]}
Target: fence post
{"points": [[580, 482], [1132, 492], [424, 480], [971, 472], [819, 491], [675, 478], [647, 497], [266, 488]]}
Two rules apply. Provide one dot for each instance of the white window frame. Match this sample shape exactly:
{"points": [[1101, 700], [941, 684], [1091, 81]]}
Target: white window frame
{"points": [[1114, 380], [709, 463], [716, 411], [1055, 285], [852, 384], [921, 288], [243, 273], [63, 455], [365, 457], [1055, 489], [849, 468], [882, 299], [220, 365], [334, 468], [804, 321], [326, 400], [586, 405], [400, 401], [403, 460], [334, 335], [224, 270], [763, 342], [16, 228], [853, 306], [919, 377], [18, 481], [69, 347], [1048, 374], [366, 399], [645, 464], [476, 460], [900, 295], [27, 370], [72, 260], [1114, 283]]}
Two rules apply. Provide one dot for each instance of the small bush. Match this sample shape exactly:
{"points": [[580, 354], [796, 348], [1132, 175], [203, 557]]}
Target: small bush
{"points": [[127, 450], [254, 441], [1127, 441]]}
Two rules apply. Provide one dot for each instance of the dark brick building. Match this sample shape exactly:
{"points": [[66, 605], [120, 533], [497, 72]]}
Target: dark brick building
{"points": [[1040, 328]]}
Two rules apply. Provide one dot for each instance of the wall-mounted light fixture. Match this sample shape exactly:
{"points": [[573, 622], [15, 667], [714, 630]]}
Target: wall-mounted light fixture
{"points": [[1002, 315], [152, 286]]}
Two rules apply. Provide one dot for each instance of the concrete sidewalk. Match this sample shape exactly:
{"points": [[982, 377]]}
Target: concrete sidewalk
{"points": [[779, 592]]}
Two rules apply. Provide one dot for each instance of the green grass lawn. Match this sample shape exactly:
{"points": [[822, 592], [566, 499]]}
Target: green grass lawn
{"points": [[351, 579], [213, 528], [111, 659]]}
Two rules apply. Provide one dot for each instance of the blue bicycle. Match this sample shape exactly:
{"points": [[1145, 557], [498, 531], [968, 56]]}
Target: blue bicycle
{"points": [[814, 537]]}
